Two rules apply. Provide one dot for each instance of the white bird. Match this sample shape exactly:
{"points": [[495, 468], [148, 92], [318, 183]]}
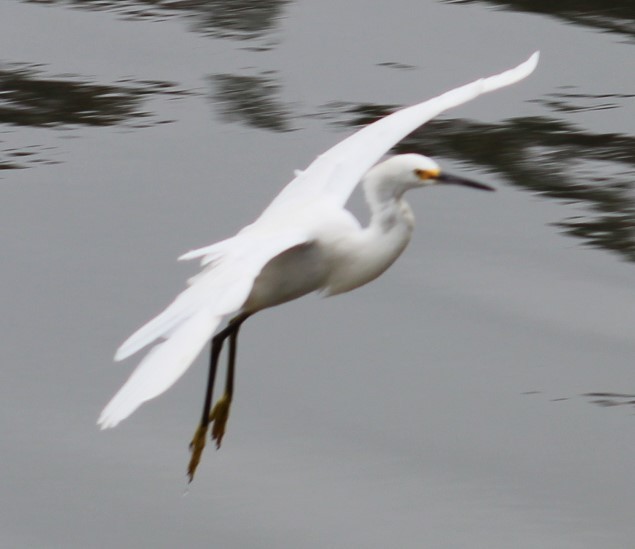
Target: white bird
{"points": [[305, 241]]}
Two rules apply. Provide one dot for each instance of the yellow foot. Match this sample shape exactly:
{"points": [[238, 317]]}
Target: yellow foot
{"points": [[196, 447], [218, 418]]}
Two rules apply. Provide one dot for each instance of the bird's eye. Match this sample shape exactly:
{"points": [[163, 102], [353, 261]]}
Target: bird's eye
{"points": [[426, 174]]}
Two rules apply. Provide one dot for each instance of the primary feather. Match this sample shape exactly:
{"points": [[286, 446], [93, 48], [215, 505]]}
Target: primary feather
{"points": [[337, 171], [190, 320], [161, 367]]}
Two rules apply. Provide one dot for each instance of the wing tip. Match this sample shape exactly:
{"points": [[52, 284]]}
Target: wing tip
{"points": [[131, 346], [510, 76], [118, 408], [192, 254], [531, 63], [162, 366], [120, 354], [107, 420]]}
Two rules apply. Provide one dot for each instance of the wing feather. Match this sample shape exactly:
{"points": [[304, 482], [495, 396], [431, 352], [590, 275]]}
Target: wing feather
{"points": [[191, 320], [221, 288], [337, 172], [232, 265], [161, 367]]}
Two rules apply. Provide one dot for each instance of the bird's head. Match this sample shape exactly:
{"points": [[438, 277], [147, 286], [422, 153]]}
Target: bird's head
{"points": [[410, 171]]}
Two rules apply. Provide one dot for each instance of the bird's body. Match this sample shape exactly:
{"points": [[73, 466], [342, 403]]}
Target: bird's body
{"points": [[305, 241], [339, 254]]}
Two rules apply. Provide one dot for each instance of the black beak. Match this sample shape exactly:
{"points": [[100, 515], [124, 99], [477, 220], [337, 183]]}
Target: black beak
{"points": [[456, 180]]}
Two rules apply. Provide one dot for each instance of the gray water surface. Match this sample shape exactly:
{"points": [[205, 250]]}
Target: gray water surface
{"points": [[480, 394]]}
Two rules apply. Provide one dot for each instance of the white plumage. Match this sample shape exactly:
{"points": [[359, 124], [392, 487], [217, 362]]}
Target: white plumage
{"points": [[303, 241]]}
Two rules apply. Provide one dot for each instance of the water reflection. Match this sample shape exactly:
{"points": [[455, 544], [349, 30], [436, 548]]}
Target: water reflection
{"points": [[235, 19], [27, 99], [566, 102], [397, 66], [241, 19], [617, 16], [542, 154], [15, 158], [30, 98], [250, 100], [599, 398], [608, 400]]}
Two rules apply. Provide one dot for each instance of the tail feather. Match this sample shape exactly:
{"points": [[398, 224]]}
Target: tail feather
{"points": [[161, 367]]}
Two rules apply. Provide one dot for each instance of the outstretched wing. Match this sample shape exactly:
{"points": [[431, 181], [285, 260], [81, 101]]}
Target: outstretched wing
{"points": [[191, 319], [336, 173], [233, 264]]}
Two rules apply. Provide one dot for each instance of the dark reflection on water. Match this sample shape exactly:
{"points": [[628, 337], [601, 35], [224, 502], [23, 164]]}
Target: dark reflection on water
{"points": [[609, 400], [250, 100], [615, 16], [15, 158], [397, 66], [604, 399], [235, 19], [566, 102], [27, 99], [242, 19], [30, 98], [541, 154]]}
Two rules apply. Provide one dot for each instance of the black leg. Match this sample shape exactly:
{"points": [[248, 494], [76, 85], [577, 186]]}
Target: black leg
{"points": [[220, 412], [229, 381], [216, 348]]}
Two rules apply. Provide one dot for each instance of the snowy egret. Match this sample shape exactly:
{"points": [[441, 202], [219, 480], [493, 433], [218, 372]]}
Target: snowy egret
{"points": [[304, 241]]}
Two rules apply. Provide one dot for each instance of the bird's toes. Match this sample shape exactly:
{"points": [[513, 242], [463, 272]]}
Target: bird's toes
{"points": [[218, 418], [196, 448]]}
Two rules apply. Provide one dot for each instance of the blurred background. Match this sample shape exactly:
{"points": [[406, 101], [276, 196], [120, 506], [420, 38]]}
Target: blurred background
{"points": [[480, 394]]}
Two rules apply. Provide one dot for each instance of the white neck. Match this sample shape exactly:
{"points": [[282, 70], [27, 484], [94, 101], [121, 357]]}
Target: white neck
{"points": [[375, 248], [389, 211]]}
